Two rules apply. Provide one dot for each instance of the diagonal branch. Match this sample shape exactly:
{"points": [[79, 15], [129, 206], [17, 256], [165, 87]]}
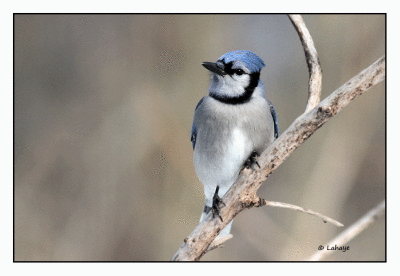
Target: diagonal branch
{"points": [[353, 230], [242, 194], [314, 67]]}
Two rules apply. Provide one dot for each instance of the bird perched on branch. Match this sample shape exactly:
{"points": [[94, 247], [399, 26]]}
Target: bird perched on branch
{"points": [[231, 126]]}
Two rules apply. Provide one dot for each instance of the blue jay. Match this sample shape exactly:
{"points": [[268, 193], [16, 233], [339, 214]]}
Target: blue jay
{"points": [[231, 126]]}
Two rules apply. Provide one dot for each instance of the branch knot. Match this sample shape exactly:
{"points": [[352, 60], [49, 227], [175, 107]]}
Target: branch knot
{"points": [[325, 111], [255, 202]]}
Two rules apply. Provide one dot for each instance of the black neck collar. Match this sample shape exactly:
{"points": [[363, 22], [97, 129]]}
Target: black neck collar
{"points": [[243, 98]]}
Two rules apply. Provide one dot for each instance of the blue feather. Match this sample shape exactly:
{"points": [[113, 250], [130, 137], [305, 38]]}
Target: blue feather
{"points": [[253, 62]]}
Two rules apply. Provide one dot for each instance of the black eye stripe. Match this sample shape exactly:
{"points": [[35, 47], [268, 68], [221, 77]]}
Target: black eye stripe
{"points": [[229, 70]]}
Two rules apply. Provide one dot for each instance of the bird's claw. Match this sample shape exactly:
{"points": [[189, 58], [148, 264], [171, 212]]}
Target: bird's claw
{"points": [[251, 160], [216, 204]]}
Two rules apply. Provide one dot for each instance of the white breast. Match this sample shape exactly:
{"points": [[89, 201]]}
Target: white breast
{"points": [[238, 150], [224, 169]]}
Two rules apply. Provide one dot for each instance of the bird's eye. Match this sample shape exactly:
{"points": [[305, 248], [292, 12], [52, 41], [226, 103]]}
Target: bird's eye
{"points": [[239, 72]]}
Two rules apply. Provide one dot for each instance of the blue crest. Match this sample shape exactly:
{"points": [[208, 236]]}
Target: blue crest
{"points": [[253, 62]]}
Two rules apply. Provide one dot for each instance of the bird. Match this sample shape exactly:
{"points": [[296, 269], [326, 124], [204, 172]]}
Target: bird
{"points": [[231, 127]]}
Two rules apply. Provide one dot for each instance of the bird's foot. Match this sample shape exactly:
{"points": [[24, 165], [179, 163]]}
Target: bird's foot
{"points": [[252, 160], [216, 204]]}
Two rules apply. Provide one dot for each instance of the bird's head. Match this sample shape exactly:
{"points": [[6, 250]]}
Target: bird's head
{"points": [[234, 74]]}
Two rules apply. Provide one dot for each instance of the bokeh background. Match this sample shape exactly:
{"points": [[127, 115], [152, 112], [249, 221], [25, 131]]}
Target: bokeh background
{"points": [[103, 107]]}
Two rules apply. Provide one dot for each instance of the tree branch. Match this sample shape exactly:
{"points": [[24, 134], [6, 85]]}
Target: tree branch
{"points": [[314, 67], [242, 194], [355, 229]]}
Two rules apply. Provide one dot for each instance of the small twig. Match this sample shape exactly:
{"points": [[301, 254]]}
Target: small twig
{"points": [[314, 67], [301, 209], [355, 229]]}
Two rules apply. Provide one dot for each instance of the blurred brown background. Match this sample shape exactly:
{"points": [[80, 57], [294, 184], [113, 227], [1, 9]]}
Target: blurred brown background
{"points": [[103, 110]]}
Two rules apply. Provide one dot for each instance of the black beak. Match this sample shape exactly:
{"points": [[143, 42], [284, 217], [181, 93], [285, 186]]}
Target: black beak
{"points": [[213, 67]]}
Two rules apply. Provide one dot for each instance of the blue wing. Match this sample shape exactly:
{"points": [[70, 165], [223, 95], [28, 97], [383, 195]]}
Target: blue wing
{"points": [[273, 113], [194, 130]]}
